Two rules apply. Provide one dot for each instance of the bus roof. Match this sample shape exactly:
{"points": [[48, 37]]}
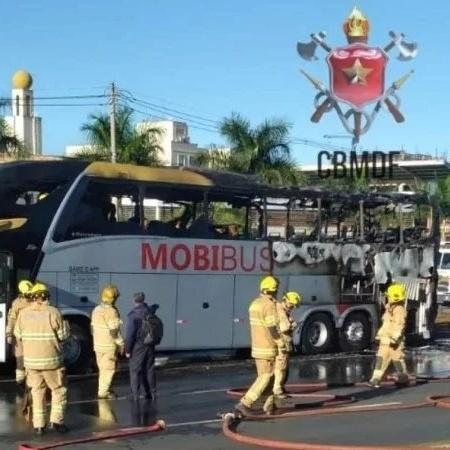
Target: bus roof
{"points": [[29, 173], [239, 184], [150, 174]]}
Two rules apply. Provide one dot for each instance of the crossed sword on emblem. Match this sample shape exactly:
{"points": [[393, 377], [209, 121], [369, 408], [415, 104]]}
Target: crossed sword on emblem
{"points": [[407, 51]]}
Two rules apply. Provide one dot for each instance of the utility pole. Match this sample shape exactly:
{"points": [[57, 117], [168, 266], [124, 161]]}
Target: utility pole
{"points": [[112, 123]]}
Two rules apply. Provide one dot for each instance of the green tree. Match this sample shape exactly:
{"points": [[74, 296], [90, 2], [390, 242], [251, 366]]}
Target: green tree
{"points": [[442, 193], [262, 151], [10, 144], [132, 146]]}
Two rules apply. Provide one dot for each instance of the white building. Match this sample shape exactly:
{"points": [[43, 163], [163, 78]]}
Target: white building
{"points": [[175, 142], [23, 123], [72, 150]]}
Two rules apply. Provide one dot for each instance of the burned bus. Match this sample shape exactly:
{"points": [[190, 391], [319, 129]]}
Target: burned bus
{"points": [[197, 242]]}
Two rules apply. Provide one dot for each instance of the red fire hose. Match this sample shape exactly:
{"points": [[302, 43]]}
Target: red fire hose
{"points": [[231, 421], [159, 425]]}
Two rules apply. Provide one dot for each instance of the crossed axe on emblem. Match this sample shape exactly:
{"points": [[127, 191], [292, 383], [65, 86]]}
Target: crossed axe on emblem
{"points": [[407, 51]]}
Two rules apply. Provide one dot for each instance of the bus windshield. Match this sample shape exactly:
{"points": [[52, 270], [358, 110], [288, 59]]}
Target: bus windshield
{"points": [[30, 194]]}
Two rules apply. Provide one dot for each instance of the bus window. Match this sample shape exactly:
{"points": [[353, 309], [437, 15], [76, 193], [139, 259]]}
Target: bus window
{"points": [[445, 263], [228, 221], [303, 220], [105, 208], [168, 218]]}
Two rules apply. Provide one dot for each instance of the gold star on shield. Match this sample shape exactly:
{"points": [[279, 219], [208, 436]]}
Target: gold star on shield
{"points": [[357, 73]]}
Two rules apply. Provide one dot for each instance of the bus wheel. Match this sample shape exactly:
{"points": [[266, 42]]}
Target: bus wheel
{"points": [[317, 334], [77, 350], [355, 334]]}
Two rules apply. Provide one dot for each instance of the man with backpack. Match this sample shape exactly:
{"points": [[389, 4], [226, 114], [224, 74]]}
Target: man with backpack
{"points": [[144, 332]]}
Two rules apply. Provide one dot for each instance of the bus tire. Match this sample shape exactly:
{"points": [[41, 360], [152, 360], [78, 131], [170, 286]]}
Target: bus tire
{"points": [[77, 350], [355, 334], [317, 334]]}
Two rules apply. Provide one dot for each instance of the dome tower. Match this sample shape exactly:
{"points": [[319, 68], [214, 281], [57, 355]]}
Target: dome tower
{"points": [[25, 125]]}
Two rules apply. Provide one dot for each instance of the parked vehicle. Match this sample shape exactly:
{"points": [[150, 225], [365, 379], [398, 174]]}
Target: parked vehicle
{"points": [[197, 243]]}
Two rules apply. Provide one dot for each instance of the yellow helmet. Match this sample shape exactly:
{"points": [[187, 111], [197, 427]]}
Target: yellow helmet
{"points": [[110, 294], [396, 292], [292, 298], [40, 290], [269, 284], [25, 287]]}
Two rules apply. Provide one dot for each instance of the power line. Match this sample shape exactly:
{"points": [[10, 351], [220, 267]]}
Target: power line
{"points": [[167, 110], [63, 104], [316, 144], [172, 114], [162, 115], [159, 100], [61, 97], [131, 96], [145, 113]]}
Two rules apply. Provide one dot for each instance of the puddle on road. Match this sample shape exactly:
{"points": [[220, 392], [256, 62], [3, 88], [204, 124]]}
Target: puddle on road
{"points": [[341, 368], [433, 361], [108, 413]]}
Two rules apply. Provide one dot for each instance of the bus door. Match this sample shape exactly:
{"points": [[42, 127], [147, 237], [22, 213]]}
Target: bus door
{"points": [[204, 315], [5, 296]]}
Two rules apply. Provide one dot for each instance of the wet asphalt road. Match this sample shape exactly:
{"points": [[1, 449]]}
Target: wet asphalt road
{"points": [[189, 399]]}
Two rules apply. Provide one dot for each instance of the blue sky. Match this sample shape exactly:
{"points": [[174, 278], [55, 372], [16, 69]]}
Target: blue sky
{"points": [[210, 58]]}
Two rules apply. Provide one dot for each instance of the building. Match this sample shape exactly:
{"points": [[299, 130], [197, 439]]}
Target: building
{"points": [[73, 150], [23, 123], [177, 149]]}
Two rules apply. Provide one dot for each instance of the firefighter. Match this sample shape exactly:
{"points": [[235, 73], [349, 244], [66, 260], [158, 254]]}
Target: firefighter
{"points": [[108, 340], [391, 337], [22, 301], [266, 345], [41, 329], [286, 327]]}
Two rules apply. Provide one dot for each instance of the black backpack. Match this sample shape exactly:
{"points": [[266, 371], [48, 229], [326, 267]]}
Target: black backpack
{"points": [[152, 329]]}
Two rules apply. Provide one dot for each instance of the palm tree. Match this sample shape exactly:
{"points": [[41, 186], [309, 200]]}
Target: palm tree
{"points": [[136, 147], [262, 151]]}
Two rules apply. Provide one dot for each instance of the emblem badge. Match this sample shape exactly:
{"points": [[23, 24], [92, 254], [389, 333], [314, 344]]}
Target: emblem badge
{"points": [[357, 75]]}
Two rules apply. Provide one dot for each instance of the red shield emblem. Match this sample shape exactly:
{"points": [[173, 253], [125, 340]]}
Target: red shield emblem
{"points": [[357, 74]]}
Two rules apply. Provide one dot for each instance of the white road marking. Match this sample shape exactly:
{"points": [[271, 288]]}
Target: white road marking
{"points": [[198, 422], [206, 391]]}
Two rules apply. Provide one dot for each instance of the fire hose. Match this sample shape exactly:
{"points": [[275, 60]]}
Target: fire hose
{"points": [[231, 421], [159, 425]]}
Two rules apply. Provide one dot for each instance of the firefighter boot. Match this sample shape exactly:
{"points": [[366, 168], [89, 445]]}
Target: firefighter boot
{"points": [[242, 410], [269, 406], [59, 427], [375, 381], [402, 374]]}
